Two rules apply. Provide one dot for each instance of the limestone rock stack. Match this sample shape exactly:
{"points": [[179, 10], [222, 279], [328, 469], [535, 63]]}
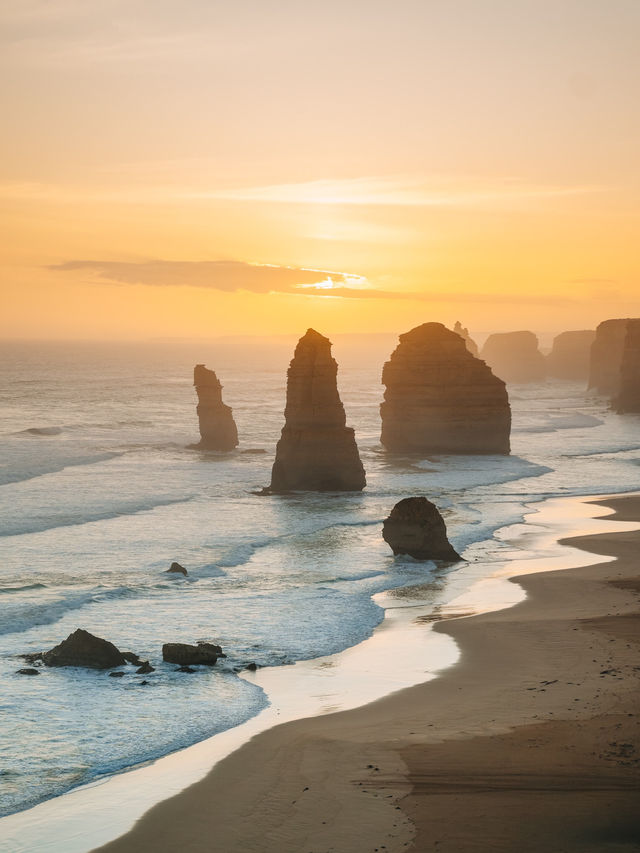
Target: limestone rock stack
{"points": [[515, 357], [440, 398], [569, 356], [615, 363], [459, 329], [415, 527], [217, 426], [316, 451]]}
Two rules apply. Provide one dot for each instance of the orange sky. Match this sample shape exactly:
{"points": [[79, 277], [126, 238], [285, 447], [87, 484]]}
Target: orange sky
{"points": [[199, 168]]}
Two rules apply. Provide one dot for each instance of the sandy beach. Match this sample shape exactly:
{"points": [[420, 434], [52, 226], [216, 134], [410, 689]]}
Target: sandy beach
{"points": [[530, 742]]}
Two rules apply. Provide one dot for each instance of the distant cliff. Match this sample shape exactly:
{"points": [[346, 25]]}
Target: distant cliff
{"points": [[217, 426], [570, 355], [316, 451], [440, 398], [515, 357], [615, 363]]}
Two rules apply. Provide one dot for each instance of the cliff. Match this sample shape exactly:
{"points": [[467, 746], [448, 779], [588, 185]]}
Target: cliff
{"points": [[515, 357], [615, 363], [316, 451], [217, 426], [440, 398], [570, 354]]}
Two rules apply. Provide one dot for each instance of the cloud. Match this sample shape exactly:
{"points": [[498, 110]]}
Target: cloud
{"points": [[234, 276], [227, 276]]}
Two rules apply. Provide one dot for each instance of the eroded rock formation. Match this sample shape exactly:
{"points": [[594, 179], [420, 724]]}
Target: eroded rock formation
{"points": [[515, 357], [570, 354], [184, 654], [459, 329], [176, 569], [440, 398], [316, 451], [84, 649], [415, 527], [217, 427], [615, 363]]}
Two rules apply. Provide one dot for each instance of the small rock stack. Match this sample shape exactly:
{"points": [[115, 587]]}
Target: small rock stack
{"points": [[615, 363], [515, 356], [217, 427]]}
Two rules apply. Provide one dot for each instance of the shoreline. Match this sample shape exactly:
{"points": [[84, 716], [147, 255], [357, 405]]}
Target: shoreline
{"points": [[526, 743], [173, 775]]}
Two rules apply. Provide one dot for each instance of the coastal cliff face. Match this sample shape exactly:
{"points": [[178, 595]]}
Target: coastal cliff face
{"points": [[217, 427], [316, 451], [570, 354], [472, 346], [615, 363], [440, 398], [515, 357]]}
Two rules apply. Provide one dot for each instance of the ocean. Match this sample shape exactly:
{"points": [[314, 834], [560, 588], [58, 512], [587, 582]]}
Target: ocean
{"points": [[100, 492]]}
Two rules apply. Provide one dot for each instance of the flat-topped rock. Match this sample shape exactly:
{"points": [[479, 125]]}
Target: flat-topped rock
{"points": [[440, 398], [570, 355], [316, 451], [415, 527], [515, 357], [217, 427]]}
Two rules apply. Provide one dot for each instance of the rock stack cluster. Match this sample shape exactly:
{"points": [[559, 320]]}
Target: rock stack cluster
{"points": [[459, 329], [316, 451], [515, 357], [615, 363], [569, 356], [217, 426], [439, 398]]}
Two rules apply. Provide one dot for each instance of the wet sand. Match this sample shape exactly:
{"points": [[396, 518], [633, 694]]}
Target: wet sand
{"points": [[531, 742]]}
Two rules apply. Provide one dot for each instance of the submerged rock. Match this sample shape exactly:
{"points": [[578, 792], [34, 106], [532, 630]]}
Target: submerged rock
{"points": [[84, 649], [515, 357], [131, 657], [176, 569], [439, 398], [27, 670], [615, 363], [570, 354], [217, 427], [184, 654], [415, 527], [144, 668], [116, 675], [185, 669], [316, 451]]}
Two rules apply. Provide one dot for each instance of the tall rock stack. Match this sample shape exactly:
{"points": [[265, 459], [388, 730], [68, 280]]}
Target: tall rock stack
{"points": [[515, 356], [459, 329], [316, 451], [615, 363], [440, 398], [569, 356], [217, 427]]}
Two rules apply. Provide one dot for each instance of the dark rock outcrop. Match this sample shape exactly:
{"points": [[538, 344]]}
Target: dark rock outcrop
{"points": [[217, 427], [144, 668], [472, 346], [83, 649], [515, 357], [570, 354], [316, 451], [439, 398], [27, 670], [116, 675], [615, 363], [176, 569], [415, 527], [131, 657], [184, 654]]}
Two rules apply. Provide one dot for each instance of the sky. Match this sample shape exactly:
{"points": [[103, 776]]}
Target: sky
{"points": [[195, 168]]}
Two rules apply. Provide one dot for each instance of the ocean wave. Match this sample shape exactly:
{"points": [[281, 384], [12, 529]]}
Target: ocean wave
{"points": [[46, 431], [25, 527], [28, 586], [24, 616], [46, 466]]}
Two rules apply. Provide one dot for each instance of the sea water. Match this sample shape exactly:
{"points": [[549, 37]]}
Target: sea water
{"points": [[100, 492]]}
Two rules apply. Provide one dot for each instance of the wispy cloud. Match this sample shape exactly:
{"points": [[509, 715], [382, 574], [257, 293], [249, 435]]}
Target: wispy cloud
{"points": [[227, 276], [235, 276]]}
